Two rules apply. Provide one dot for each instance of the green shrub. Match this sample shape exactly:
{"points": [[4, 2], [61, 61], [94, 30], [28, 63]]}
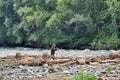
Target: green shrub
{"points": [[4, 62], [108, 69], [82, 76], [106, 42], [1, 78]]}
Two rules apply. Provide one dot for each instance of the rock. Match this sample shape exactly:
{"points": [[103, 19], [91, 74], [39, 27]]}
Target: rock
{"points": [[45, 65], [97, 73], [112, 72], [85, 72], [103, 72], [66, 72], [117, 71], [21, 66], [52, 69], [100, 78], [1, 68], [94, 63], [38, 75], [46, 70], [24, 70]]}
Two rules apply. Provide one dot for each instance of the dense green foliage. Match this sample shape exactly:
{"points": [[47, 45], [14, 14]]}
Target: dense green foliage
{"points": [[68, 23]]}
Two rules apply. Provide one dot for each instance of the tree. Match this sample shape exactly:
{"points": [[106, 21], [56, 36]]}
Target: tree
{"points": [[114, 9]]}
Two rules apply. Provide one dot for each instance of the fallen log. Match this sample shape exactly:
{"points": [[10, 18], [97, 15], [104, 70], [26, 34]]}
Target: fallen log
{"points": [[46, 58], [31, 61], [8, 57], [68, 63], [111, 61], [57, 61], [39, 61], [101, 58]]}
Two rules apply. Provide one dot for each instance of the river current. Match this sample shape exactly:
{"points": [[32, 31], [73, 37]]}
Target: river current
{"points": [[59, 52]]}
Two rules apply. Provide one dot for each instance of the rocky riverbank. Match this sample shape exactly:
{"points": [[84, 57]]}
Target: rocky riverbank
{"points": [[11, 67]]}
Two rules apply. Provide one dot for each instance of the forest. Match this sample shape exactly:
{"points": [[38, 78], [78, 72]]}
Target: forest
{"points": [[70, 24]]}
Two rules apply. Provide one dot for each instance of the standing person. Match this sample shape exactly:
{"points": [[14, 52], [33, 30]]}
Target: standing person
{"points": [[53, 49]]}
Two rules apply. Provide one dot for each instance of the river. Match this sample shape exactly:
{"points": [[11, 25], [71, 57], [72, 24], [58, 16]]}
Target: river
{"points": [[5, 51]]}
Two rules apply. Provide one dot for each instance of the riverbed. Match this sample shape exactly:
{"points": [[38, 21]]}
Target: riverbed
{"points": [[59, 53], [44, 72]]}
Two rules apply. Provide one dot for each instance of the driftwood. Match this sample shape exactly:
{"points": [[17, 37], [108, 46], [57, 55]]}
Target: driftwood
{"points": [[22, 59], [31, 61], [8, 57], [111, 61], [68, 63], [103, 57], [54, 61], [81, 61]]}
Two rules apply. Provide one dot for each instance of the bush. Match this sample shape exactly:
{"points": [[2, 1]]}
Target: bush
{"points": [[108, 69], [1, 78], [82, 76], [106, 42]]}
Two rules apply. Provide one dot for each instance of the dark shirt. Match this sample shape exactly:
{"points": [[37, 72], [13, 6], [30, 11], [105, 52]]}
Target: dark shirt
{"points": [[53, 49]]}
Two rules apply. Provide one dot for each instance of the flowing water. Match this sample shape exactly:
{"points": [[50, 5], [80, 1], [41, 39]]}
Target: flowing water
{"points": [[59, 52]]}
